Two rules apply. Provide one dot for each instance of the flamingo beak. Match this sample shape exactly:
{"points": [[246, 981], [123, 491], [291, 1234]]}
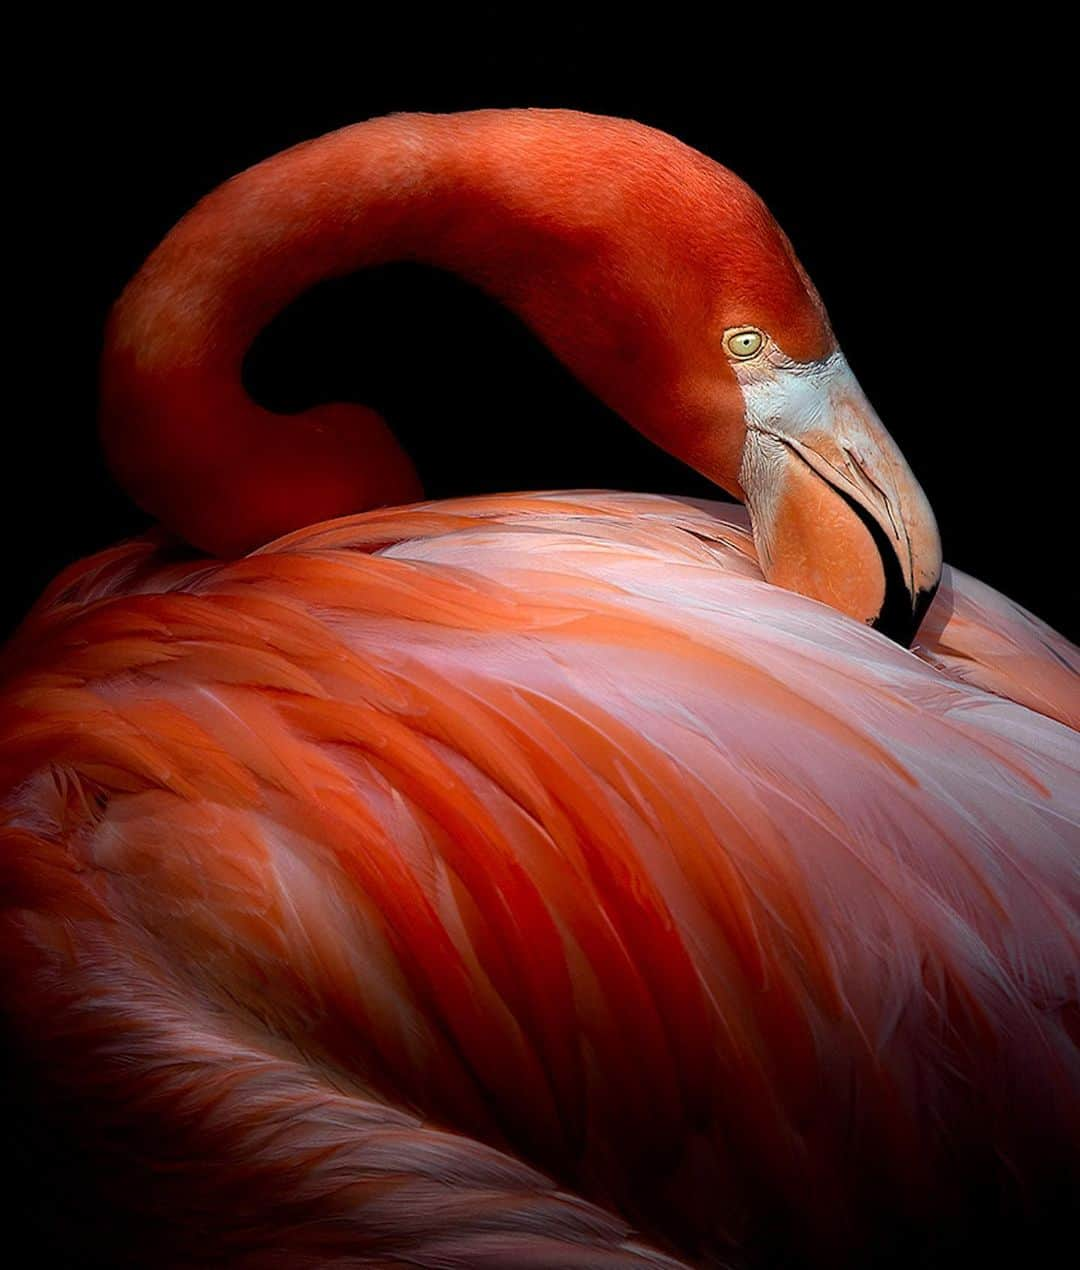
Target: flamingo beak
{"points": [[837, 512]]}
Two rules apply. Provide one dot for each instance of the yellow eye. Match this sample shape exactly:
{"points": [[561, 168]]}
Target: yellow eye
{"points": [[745, 343]]}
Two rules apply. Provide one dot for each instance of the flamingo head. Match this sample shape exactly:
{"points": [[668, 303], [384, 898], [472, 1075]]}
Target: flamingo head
{"points": [[656, 275], [837, 512], [771, 411]]}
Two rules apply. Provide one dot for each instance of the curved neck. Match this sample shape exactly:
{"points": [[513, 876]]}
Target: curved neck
{"points": [[606, 237]]}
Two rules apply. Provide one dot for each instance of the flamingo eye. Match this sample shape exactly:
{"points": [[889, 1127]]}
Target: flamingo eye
{"points": [[745, 343]]}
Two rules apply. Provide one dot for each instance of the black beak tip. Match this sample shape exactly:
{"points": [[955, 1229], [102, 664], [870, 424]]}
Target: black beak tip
{"points": [[901, 614], [923, 600], [900, 618]]}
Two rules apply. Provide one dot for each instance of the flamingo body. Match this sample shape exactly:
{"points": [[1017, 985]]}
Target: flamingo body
{"points": [[434, 884]]}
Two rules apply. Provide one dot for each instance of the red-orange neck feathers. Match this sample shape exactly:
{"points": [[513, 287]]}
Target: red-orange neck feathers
{"points": [[627, 252]]}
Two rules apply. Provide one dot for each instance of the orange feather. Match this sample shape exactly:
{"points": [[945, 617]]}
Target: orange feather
{"points": [[526, 880], [543, 819]]}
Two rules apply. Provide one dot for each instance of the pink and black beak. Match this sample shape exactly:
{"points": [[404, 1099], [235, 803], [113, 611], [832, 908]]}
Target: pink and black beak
{"points": [[837, 512]]}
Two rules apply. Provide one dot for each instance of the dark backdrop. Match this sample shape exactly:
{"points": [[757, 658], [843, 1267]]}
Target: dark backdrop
{"points": [[919, 170], [917, 173]]}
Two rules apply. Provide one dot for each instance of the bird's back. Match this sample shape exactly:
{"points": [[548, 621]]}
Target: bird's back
{"points": [[359, 878]]}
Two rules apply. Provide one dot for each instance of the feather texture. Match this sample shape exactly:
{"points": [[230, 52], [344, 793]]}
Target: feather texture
{"points": [[380, 876]]}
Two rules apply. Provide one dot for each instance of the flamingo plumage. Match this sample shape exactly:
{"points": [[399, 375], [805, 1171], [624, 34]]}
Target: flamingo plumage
{"points": [[531, 879]]}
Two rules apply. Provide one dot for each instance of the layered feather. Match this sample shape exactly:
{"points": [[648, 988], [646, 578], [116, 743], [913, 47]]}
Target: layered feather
{"points": [[539, 833]]}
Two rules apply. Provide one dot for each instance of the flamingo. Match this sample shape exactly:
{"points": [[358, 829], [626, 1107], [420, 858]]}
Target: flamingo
{"points": [[566, 879]]}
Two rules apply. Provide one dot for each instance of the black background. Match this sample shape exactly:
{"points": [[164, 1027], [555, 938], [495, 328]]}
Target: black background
{"points": [[918, 172]]}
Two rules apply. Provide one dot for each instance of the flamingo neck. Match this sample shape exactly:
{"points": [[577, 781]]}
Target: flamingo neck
{"points": [[605, 236]]}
